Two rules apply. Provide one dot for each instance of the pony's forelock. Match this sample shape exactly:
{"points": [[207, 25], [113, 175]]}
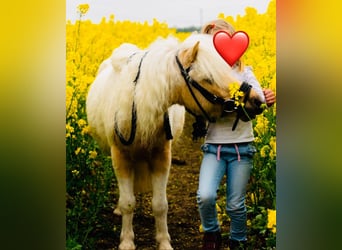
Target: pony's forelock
{"points": [[208, 62]]}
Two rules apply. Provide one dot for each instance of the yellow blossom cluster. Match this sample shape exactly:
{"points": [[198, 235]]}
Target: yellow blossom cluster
{"points": [[261, 127], [83, 8], [272, 220], [236, 94]]}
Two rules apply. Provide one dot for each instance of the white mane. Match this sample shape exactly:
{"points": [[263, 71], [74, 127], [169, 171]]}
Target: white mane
{"points": [[151, 92]]}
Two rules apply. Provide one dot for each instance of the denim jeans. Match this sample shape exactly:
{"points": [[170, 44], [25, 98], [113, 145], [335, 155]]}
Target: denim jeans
{"points": [[235, 161]]}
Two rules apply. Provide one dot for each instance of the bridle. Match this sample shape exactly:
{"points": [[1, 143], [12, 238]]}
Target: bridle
{"points": [[228, 105], [205, 93]]}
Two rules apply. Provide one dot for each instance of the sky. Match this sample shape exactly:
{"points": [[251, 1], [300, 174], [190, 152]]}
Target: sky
{"points": [[176, 13]]}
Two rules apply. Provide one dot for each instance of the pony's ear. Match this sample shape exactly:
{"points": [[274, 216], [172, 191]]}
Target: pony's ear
{"points": [[188, 56]]}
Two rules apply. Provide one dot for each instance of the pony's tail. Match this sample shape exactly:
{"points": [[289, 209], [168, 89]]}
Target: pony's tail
{"points": [[122, 54]]}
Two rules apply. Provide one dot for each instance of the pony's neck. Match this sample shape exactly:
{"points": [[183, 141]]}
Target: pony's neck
{"points": [[166, 83]]}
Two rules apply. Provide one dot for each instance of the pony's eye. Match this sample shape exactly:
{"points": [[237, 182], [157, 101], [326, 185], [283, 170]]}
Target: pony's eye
{"points": [[208, 80]]}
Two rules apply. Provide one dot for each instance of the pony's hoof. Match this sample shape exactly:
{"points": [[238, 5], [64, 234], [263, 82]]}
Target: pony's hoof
{"points": [[165, 246], [127, 245]]}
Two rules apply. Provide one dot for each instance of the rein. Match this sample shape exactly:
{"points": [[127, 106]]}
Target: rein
{"points": [[131, 138]]}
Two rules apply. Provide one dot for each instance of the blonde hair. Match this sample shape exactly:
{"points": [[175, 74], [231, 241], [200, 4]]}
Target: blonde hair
{"points": [[217, 25]]}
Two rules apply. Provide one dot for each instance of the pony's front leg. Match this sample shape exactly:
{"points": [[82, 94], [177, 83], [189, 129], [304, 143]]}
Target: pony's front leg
{"points": [[127, 201], [160, 176]]}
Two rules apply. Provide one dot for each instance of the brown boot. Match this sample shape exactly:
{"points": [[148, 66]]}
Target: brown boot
{"points": [[237, 245], [211, 240]]}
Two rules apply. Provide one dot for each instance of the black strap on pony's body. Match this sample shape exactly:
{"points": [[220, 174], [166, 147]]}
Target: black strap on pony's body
{"points": [[167, 126]]}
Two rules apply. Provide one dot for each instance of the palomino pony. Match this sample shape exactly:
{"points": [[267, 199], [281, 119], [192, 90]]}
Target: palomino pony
{"points": [[136, 106]]}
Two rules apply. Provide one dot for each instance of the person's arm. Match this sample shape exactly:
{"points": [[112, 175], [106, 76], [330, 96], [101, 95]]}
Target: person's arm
{"points": [[249, 77], [269, 95]]}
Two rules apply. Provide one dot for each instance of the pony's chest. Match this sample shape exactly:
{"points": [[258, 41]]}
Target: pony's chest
{"points": [[138, 153]]}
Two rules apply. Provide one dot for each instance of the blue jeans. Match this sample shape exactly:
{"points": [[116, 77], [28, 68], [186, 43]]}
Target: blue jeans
{"points": [[236, 161]]}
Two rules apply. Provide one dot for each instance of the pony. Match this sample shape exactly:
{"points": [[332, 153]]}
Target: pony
{"points": [[136, 107]]}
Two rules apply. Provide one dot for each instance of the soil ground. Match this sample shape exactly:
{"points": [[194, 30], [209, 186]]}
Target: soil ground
{"points": [[183, 216]]}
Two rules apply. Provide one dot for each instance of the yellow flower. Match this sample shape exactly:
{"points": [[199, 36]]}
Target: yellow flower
{"points": [[201, 228], [272, 220], [83, 8], [77, 151], [257, 139], [85, 130], [92, 154], [273, 144], [69, 130], [235, 93], [261, 126], [75, 172], [252, 198], [218, 209], [264, 151], [81, 123], [272, 155]]}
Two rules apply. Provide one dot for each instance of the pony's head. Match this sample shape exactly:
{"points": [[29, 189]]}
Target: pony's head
{"points": [[207, 78]]}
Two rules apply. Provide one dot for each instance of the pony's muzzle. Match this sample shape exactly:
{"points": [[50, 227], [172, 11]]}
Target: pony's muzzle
{"points": [[258, 107], [247, 114]]}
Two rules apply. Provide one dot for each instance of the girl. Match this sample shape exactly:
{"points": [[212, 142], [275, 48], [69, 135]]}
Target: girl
{"points": [[229, 153]]}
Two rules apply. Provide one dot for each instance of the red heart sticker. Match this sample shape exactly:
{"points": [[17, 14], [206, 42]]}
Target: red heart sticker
{"points": [[231, 48]]}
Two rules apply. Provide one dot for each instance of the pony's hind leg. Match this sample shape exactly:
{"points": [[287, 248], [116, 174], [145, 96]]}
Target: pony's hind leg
{"points": [[127, 199], [161, 167], [126, 206]]}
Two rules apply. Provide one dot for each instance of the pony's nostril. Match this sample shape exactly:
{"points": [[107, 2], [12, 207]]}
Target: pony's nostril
{"points": [[257, 103]]}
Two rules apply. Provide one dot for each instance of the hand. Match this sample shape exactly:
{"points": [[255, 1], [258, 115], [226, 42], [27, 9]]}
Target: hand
{"points": [[270, 97]]}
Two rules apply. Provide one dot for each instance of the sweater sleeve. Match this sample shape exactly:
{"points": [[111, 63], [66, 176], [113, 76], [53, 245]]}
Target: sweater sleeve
{"points": [[249, 77]]}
